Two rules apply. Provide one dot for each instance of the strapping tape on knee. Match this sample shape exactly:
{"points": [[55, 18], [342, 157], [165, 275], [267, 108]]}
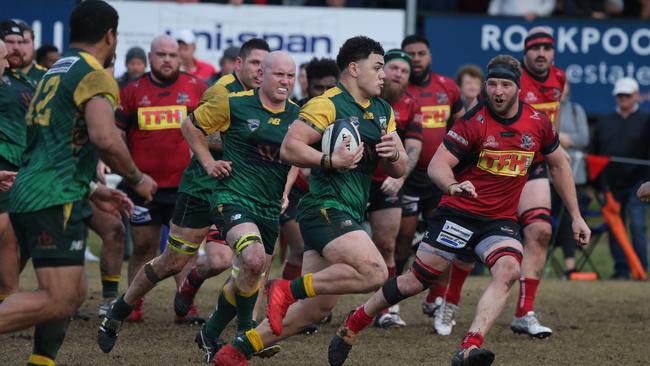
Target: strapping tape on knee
{"points": [[536, 214], [246, 240], [391, 292], [234, 271], [503, 252], [425, 274], [182, 246], [151, 274]]}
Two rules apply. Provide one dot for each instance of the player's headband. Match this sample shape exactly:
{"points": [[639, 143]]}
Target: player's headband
{"points": [[504, 71], [538, 39], [397, 54]]}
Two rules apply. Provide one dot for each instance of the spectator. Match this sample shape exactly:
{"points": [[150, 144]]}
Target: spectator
{"points": [[136, 63], [626, 134], [470, 80], [47, 55], [574, 137], [226, 64], [189, 64], [301, 93], [321, 74], [529, 9]]}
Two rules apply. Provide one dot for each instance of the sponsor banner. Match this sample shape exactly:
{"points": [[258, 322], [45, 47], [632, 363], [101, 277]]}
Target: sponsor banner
{"points": [[48, 18], [594, 53], [304, 32]]}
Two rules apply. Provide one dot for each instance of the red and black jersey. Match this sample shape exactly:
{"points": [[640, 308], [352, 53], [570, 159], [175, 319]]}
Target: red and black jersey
{"points": [[151, 114], [408, 120], [439, 99], [495, 155], [544, 93]]}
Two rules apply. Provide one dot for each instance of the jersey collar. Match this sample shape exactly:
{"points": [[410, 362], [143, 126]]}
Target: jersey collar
{"points": [[505, 121], [256, 92], [348, 95], [541, 79]]}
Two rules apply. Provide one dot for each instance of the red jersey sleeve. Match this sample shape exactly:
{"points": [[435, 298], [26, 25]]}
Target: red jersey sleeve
{"points": [[454, 97], [123, 112], [413, 128], [463, 138], [550, 139]]}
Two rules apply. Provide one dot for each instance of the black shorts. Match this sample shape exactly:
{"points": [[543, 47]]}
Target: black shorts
{"points": [[538, 171], [379, 200], [419, 194], [4, 196], [451, 232], [54, 236], [292, 210], [319, 227], [232, 215], [194, 213], [159, 211]]}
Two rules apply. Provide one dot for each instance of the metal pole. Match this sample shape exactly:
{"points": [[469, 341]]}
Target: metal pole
{"points": [[411, 16]]}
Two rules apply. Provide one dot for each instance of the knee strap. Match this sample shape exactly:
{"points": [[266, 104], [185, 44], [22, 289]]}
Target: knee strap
{"points": [[151, 274], [536, 214], [391, 292], [502, 252], [182, 246], [246, 240], [425, 274]]}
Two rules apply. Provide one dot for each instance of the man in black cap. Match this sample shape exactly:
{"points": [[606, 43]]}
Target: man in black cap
{"points": [[16, 91], [136, 63]]}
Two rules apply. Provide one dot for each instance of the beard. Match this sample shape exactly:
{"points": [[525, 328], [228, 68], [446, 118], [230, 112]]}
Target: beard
{"points": [[504, 108], [165, 78], [392, 92], [418, 78], [15, 60]]}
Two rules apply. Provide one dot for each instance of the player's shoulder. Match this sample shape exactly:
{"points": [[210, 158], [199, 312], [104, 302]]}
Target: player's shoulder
{"points": [[476, 113], [226, 80], [529, 113], [445, 81], [557, 72], [382, 104], [187, 78], [292, 106]]}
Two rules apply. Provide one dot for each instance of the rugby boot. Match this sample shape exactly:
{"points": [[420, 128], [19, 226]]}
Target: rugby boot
{"points": [[192, 317], [279, 300], [184, 298], [108, 331], [228, 355], [429, 308], [473, 356], [104, 306], [268, 352], [444, 318], [137, 315], [528, 324], [210, 346]]}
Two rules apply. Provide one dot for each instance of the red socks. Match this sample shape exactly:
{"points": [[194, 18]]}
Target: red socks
{"points": [[358, 320], [436, 291], [472, 339], [291, 271], [527, 292], [457, 277]]}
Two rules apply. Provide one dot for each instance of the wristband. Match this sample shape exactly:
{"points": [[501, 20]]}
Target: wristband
{"points": [[395, 157], [135, 178], [326, 162], [449, 187]]}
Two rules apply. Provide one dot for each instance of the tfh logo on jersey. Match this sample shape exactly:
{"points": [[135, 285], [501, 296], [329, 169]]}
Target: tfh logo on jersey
{"points": [[162, 117], [511, 163], [435, 116]]}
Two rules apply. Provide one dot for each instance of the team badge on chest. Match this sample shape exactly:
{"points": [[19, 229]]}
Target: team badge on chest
{"points": [[253, 124]]}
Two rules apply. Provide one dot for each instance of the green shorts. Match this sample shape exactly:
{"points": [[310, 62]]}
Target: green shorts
{"points": [[4, 196], [320, 227], [194, 213], [54, 236], [233, 215]]}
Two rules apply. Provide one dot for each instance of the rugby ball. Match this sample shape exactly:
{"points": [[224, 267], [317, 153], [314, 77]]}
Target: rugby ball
{"points": [[335, 133]]}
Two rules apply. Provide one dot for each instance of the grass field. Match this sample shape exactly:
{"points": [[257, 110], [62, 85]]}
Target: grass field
{"points": [[595, 323]]}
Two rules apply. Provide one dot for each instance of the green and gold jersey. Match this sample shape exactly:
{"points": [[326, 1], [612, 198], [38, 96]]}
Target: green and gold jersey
{"points": [[16, 91], [60, 161], [346, 191], [36, 72], [195, 181], [252, 134]]}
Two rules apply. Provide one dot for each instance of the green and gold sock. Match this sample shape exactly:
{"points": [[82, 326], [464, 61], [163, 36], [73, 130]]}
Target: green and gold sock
{"points": [[302, 288], [223, 314], [110, 284], [245, 305], [248, 343], [48, 338]]}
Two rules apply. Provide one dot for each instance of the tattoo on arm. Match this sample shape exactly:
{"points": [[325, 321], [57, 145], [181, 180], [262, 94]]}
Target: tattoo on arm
{"points": [[413, 155], [214, 142]]}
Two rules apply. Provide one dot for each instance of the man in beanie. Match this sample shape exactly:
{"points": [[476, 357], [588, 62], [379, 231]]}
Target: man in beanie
{"points": [[136, 63], [542, 85], [384, 205]]}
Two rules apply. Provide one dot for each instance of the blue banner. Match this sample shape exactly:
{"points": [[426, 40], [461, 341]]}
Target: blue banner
{"points": [[594, 53], [48, 18]]}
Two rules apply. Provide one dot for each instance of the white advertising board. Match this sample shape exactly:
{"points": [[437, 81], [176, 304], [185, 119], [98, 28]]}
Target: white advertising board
{"points": [[305, 32]]}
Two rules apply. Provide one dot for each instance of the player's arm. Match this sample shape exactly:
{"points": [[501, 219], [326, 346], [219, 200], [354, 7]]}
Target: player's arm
{"points": [[393, 155], [291, 179], [457, 144], [307, 130], [562, 178], [211, 117]]}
